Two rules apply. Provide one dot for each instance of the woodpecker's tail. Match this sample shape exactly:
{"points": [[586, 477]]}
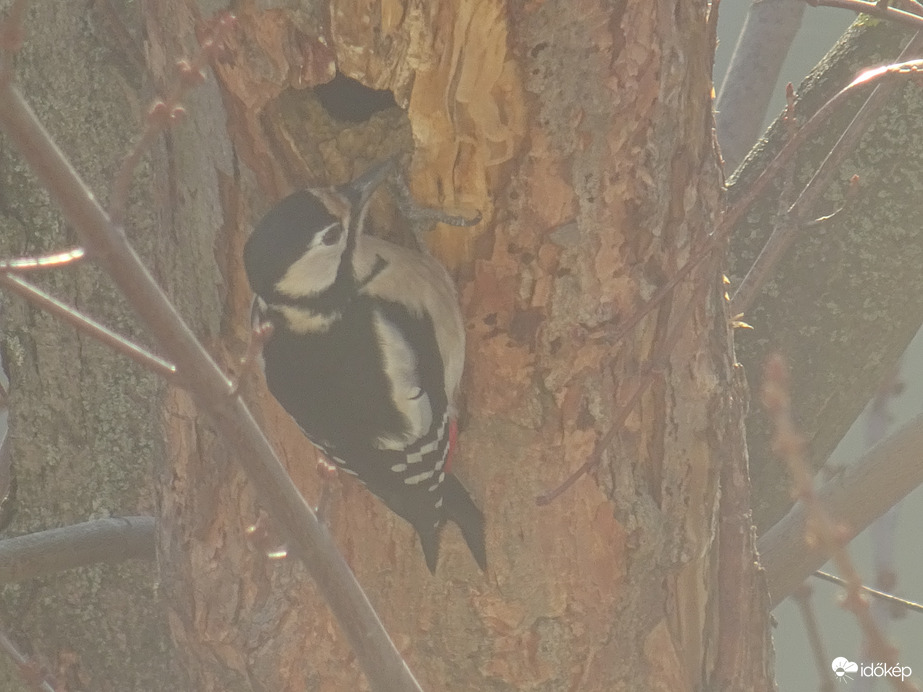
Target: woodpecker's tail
{"points": [[460, 508]]}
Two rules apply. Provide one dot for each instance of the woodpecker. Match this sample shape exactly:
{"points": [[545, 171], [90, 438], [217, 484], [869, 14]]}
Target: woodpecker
{"points": [[366, 352]]}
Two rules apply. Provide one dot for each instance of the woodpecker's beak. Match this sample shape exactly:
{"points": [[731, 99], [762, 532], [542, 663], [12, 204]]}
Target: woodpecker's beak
{"points": [[362, 188]]}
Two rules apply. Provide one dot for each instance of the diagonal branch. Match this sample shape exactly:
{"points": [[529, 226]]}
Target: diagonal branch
{"points": [[307, 538], [873, 9], [118, 343], [787, 231], [736, 212], [861, 494], [885, 74], [28, 264]]}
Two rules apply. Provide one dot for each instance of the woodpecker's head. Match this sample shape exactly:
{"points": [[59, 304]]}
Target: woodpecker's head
{"points": [[307, 240]]}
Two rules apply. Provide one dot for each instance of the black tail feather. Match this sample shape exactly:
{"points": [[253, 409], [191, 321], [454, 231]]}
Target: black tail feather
{"points": [[429, 541], [460, 508]]}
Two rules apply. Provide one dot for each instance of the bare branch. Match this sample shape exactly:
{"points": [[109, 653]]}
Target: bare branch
{"points": [[118, 343], [104, 540], [858, 496], [28, 264], [164, 114], [874, 9], [896, 72], [820, 530], [848, 141], [307, 538], [874, 593], [796, 217], [762, 46], [769, 174]]}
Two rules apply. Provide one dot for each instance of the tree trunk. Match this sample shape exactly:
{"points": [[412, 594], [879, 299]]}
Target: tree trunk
{"points": [[583, 136], [582, 132], [84, 422], [830, 307]]}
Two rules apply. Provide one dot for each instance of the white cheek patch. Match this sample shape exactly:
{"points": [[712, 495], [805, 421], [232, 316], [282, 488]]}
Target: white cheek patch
{"points": [[316, 270], [400, 364], [303, 321]]}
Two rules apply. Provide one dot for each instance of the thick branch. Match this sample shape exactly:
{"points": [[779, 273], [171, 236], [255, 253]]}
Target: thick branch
{"points": [[829, 305], [748, 86], [103, 540], [864, 492]]}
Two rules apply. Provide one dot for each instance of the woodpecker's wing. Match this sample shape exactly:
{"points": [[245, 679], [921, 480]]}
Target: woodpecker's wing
{"points": [[408, 395], [422, 285]]}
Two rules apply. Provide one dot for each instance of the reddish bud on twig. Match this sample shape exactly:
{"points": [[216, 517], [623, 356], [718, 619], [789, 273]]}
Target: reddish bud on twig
{"points": [[190, 76], [159, 115]]}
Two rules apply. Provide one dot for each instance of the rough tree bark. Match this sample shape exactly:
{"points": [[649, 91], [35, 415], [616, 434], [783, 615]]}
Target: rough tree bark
{"points": [[582, 132], [84, 422], [830, 307]]}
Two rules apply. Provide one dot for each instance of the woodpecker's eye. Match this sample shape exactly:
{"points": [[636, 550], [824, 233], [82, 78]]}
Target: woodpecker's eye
{"points": [[332, 235]]}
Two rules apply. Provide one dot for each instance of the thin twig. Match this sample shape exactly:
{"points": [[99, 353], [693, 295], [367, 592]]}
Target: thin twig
{"points": [[860, 494], [894, 72], [789, 444], [872, 9], [769, 174], [743, 99], [260, 332], [167, 113], [659, 360], [821, 660], [602, 444], [54, 261], [850, 137], [875, 593], [309, 540], [88, 326], [794, 219]]}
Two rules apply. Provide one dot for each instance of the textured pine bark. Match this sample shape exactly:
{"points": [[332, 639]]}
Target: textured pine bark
{"points": [[582, 135], [840, 328], [84, 422]]}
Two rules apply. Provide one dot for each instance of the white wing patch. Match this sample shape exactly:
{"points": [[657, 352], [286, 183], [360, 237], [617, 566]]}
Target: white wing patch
{"points": [[400, 364], [421, 284]]}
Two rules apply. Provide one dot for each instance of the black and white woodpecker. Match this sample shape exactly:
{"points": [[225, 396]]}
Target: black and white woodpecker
{"points": [[366, 353]]}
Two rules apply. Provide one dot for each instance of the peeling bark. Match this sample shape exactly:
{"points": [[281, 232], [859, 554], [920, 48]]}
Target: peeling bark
{"points": [[582, 132], [583, 136]]}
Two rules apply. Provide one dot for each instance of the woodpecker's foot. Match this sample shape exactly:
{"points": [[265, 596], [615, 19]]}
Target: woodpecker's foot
{"points": [[260, 331], [418, 214]]}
